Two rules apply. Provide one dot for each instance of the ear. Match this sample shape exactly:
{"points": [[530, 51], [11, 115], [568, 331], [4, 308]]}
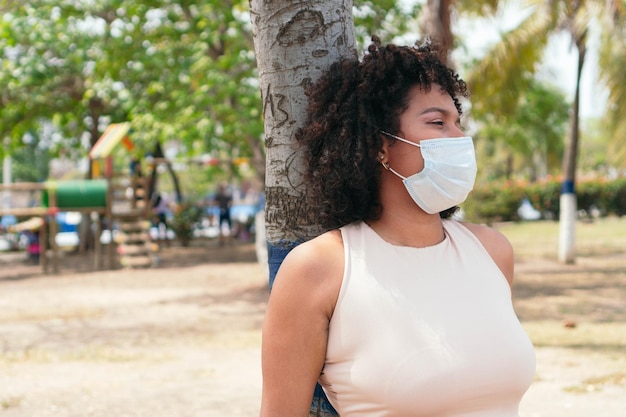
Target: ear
{"points": [[383, 153]]}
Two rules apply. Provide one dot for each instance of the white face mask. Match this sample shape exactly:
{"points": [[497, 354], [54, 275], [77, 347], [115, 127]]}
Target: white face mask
{"points": [[448, 175]]}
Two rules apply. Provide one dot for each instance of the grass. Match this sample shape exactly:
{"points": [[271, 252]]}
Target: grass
{"points": [[577, 312], [84, 353], [52, 313], [609, 338], [597, 383], [10, 402], [593, 289], [606, 236]]}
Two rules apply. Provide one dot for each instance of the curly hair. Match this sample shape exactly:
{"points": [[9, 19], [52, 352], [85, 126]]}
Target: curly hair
{"points": [[348, 107]]}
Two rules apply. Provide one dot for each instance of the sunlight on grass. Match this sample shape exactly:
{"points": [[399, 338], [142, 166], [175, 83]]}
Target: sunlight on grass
{"points": [[10, 402], [50, 313], [616, 378], [26, 356], [99, 353], [605, 337], [239, 339], [601, 344], [541, 239], [598, 383], [84, 353]]}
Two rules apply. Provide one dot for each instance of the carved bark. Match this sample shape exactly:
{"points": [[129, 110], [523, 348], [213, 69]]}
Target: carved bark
{"points": [[294, 43]]}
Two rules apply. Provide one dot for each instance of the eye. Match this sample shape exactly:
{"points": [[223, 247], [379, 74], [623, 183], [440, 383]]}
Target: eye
{"points": [[437, 122]]}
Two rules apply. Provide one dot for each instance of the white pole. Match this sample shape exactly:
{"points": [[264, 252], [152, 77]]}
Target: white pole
{"points": [[567, 228]]}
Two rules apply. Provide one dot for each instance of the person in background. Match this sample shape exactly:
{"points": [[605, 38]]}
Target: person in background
{"points": [[224, 202], [160, 207], [397, 310], [135, 167]]}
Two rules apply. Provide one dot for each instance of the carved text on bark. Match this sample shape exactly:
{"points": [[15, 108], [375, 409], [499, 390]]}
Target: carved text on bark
{"points": [[275, 104], [304, 26], [287, 211]]}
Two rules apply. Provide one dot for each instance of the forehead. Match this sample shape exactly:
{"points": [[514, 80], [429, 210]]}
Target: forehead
{"points": [[418, 98]]}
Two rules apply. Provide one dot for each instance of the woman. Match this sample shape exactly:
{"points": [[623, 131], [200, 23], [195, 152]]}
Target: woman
{"points": [[397, 310]]}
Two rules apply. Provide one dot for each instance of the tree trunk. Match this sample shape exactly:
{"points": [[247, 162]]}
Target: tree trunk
{"points": [[568, 210], [435, 23], [294, 44]]}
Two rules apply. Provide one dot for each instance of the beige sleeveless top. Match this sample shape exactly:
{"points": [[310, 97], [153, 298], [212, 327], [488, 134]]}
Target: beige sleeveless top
{"points": [[424, 332]]}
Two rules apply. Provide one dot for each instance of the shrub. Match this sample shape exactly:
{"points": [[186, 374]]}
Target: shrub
{"points": [[545, 197], [185, 216], [589, 194], [493, 202], [614, 197], [499, 201]]}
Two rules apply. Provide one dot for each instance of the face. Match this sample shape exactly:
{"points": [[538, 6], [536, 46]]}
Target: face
{"points": [[429, 115]]}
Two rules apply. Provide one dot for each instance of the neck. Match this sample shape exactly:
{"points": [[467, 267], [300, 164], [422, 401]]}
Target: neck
{"points": [[414, 231], [402, 222]]}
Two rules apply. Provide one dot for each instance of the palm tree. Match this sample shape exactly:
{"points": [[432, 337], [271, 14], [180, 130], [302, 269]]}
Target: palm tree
{"points": [[528, 140], [612, 59], [501, 77]]}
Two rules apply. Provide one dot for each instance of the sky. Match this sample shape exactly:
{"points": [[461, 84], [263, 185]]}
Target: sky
{"points": [[560, 61], [559, 66]]}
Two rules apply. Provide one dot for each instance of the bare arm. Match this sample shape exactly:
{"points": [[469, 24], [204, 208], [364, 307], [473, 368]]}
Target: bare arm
{"points": [[295, 330], [498, 247]]}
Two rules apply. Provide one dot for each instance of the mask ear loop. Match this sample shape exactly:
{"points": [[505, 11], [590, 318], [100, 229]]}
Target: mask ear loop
{"points": [[388, 168], [385, 164], [400, 139]]}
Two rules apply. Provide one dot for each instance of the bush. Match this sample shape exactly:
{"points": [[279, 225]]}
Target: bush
{"points": [[589, 194], [614, 197], [545, 196], [499, 201], [494, 202], [185, 216]]}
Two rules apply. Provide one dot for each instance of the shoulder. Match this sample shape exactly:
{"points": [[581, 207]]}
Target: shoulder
{"points": [[327, 241], [317, 255], [498, 247], [312, 272]]}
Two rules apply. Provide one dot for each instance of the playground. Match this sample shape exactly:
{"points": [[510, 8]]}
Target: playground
{"points": [[183, 339]]}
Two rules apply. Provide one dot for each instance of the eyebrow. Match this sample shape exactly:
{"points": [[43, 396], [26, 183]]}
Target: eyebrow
{"points": [[439, 110]]}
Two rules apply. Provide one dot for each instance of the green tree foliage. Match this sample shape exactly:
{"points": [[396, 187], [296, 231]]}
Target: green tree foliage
{"points": [[388, 19], [185, 70], [29, 163], [528, 142], [176, 70], [508, 68], [612, 60]]}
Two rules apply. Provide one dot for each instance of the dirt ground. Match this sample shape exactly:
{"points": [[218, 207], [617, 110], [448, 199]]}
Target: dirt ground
{"points": [[183, 339]]}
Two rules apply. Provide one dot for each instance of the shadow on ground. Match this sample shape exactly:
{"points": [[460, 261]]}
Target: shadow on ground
{"points": [[592, 290], [15, 265]]}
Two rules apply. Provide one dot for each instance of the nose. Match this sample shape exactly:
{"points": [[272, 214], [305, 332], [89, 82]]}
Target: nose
{"points": [[457, 132]]}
